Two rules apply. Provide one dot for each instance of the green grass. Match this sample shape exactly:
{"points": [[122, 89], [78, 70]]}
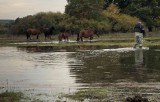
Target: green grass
{"points": [[17, 97], [107, 40], [111, 94], [93, 94], [11, 96]]}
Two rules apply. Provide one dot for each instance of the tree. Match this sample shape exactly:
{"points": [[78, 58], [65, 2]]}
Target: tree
{"points": [[120, 3], [147, 10], [119, 22], [90, 9], [38, 20]]}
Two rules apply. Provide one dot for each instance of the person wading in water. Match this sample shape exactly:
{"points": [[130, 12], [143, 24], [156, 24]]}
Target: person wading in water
{"points": [[139, 31]]}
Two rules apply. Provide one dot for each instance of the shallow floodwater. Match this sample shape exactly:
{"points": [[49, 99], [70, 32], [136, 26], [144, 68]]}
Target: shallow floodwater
{"points": [[52, 71]]}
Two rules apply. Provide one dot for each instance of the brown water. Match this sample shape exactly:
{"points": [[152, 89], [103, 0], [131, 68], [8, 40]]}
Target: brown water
{"points": [[50, 71]]}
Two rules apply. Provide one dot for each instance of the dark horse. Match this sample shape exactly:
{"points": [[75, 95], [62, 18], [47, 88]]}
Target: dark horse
{"points": [[48, 32], [86, 33], [33, 31], [64, 36]]}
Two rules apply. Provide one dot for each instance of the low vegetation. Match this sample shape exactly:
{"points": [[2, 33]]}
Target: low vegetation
{"points": [[106, 95], [11, 96], [108, 40], [96, 94]]}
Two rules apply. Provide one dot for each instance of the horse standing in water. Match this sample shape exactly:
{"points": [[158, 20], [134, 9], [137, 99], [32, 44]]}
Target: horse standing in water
{"points": [[33, 31], [48, 32], [64, 36], [86, 33]]}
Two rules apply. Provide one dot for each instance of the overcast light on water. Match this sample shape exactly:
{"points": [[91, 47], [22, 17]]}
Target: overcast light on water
{"points": [[47, 70]]}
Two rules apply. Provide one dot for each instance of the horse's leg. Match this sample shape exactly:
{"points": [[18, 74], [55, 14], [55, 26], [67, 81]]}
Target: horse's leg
{"points": [[27, 35], [59, 38], [66, 39], [38, 36], [91, 37], [45, 36], [50, 37], [78, 37], [81, 39], [30, 36]]}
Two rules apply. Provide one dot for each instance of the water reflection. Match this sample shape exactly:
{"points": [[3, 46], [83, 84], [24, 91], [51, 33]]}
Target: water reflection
{"points": [[102, 67], [55, 68], [31, 49], [139, 57], [108, 66], [34, 70], [94, 66]]}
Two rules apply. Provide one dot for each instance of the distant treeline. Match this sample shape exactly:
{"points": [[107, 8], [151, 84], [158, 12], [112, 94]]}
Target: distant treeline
{"points": [[105, 16], [108, 21], [5, 26]]}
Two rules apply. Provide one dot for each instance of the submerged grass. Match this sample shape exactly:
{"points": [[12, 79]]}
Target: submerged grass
{"points": [[11, 96], [17, 97], [92, 94], [113, 95]]}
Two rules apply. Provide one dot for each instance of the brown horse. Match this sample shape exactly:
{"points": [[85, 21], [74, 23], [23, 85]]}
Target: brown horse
{"points": [[64, 36], [86, 33], [33, 31]]}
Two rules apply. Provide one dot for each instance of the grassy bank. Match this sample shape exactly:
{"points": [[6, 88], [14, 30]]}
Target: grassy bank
{"points": [[107, 40], [106, 95], [11, 96], [103, 94]]}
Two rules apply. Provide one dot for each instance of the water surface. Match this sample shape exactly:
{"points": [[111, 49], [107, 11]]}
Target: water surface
{"points": [[53, 71]]}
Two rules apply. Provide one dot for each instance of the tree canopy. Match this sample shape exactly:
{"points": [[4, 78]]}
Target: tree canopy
{"points": [[102, 15], [147, 10], [90, 9]]}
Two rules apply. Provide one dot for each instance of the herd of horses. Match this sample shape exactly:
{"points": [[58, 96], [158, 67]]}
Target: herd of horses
{"points": [[63, 35]]}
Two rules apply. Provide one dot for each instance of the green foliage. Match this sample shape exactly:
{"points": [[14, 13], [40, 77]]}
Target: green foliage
{"points": [[146, 10], [90, 9], [11, 96], [74, 24], [5, 26], [59, 21], [90, 94], [119, 22], [39, 20], [80, 14], [3, 29]]}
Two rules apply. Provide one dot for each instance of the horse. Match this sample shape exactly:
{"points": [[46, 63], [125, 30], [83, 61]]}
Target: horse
{"points": [[64, 36], [33, 31], [48, 32], [86, 33]]}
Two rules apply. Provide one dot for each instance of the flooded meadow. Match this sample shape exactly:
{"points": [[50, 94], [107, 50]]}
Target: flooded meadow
{"points": [[47, 73]]}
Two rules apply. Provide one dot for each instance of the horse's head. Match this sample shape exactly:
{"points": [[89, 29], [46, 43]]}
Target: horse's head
{"points": [[94, 32]]}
